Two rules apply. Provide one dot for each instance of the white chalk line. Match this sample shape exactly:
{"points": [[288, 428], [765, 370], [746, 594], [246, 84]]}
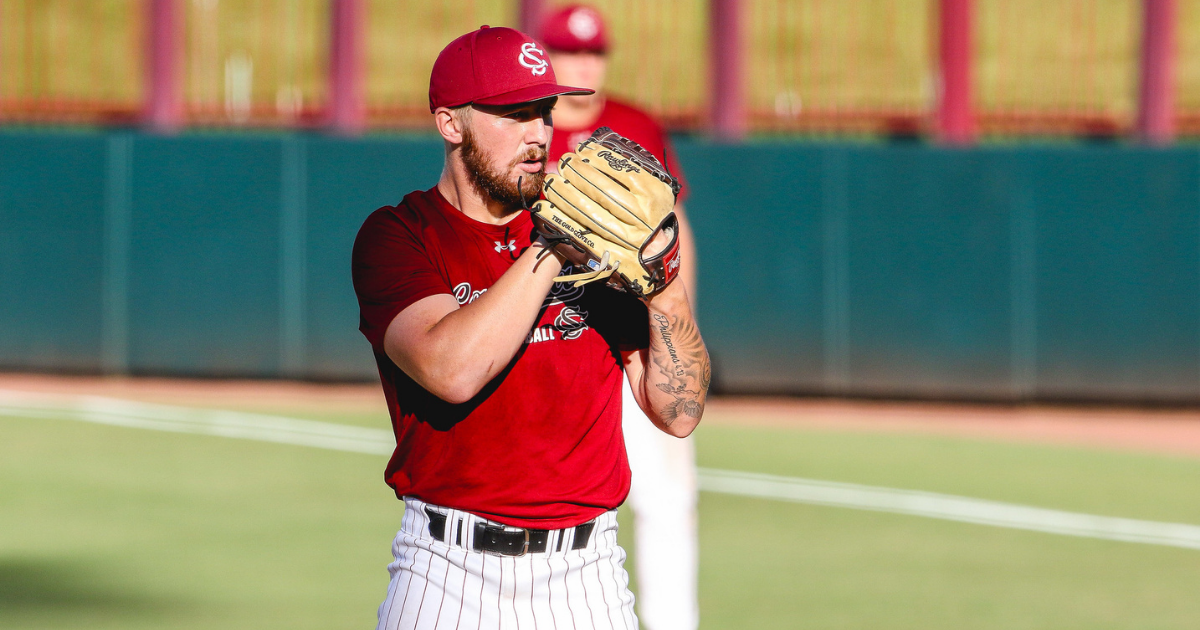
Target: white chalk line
{"points": [[233, 424], [949, 507], [338, 437]]}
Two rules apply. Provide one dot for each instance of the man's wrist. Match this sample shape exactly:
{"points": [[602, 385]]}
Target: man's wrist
{"points": [[672, 297], [543, 251]]}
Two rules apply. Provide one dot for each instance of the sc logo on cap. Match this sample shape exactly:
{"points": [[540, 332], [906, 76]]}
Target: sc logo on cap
{"points": [[583, 23], [531, 58]]}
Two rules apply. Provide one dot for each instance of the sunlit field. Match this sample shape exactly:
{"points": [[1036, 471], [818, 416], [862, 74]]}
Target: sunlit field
{"points": [[116, 527]]}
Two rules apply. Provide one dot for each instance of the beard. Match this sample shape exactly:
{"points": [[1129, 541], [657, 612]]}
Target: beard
{"points": [[495, 184]]}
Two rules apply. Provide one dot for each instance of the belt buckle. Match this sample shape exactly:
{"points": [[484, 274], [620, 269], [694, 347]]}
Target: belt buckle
{"points": [[525, 545]]}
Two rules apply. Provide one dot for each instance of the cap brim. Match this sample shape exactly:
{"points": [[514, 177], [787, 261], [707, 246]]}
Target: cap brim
{"points": [[576, 46], [533, 93]]}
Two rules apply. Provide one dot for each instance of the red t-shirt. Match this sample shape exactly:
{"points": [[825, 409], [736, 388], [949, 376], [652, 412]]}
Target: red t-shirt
{"points": [[628, 121], [541, 445]]}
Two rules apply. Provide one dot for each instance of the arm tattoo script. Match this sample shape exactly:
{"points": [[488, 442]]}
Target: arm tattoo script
{"points": [[683, 362]]}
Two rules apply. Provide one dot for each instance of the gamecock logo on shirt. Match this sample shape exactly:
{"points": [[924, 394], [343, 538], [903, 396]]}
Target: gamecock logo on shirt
{"points": [[571, 321]]}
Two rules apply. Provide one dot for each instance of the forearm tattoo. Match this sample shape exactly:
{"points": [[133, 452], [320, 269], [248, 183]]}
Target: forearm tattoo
{"points": [[678, 352]]}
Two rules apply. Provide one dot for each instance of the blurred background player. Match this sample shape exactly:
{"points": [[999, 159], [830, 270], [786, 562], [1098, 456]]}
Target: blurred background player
{"points": [[663, 494]]}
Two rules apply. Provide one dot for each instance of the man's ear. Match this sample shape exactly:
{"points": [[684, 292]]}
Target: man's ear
{"points": [[449, 125]]}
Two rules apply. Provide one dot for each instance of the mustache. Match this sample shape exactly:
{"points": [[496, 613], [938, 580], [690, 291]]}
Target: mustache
{"points": [[539, 154]]}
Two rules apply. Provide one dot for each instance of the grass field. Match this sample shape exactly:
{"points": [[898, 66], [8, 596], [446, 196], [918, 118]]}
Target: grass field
{"points": [[112, 527]]}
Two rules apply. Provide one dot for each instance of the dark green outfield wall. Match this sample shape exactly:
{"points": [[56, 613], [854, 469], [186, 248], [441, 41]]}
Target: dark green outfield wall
{"points": [[992, 273], [997, 273]]}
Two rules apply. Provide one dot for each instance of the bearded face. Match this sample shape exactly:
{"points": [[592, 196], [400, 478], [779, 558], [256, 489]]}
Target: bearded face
{"points": [[500, 182]]}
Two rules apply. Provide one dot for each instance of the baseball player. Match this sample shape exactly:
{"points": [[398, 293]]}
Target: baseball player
{"points": [[664, 493], [503, 384]]}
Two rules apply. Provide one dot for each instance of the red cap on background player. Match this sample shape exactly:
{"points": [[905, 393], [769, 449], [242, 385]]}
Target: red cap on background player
{"points": [[575, 28], [493, 66]]}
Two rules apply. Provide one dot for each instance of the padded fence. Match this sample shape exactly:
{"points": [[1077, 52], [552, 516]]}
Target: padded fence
{"points": [[1003, 273], [997, 273]]}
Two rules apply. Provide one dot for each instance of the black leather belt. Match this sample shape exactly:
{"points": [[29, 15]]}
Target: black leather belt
{"points": [[508, 541]]}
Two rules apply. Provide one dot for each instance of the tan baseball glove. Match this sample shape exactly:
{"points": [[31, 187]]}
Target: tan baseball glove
{"points": [[610, 199]]}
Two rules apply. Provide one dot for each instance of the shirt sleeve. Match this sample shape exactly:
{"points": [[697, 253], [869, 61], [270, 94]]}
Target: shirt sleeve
{"points": [[392, 270]]}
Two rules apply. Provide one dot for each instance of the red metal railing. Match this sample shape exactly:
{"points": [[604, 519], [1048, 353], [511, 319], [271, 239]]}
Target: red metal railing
{"points": [[1156, 93], [948, 68]]}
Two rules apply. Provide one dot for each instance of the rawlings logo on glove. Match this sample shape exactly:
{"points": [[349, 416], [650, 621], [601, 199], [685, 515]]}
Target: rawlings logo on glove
{"points": [[618, 164], [609, 201]]}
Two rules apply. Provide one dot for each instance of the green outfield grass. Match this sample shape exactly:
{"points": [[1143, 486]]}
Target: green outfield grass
{"points": [[107, 527]]}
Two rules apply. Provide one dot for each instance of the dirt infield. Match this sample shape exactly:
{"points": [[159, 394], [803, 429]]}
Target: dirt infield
{"points": [[1151, 430]]}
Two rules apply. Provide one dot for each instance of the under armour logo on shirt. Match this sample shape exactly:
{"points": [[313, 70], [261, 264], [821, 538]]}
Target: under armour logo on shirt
{"points": [[501, 247]]}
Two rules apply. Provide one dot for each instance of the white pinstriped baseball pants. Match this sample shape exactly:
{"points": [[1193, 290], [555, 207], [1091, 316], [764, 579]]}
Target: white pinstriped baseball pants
{"points": [[438, 586]]}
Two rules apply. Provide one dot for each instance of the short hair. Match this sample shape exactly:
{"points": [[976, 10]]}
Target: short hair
{"points": [[462, 113]]}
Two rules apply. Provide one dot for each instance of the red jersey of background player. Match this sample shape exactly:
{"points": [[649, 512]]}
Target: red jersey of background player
{"points": [[626, 120], [565, 463]]}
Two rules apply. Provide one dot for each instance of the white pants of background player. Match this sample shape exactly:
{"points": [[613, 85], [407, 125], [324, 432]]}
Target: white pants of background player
{"points": [[439, 585], [663, 498]]}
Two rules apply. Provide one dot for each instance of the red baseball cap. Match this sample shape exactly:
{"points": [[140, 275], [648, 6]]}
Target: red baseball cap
{"points": [[575, 28], [493, 66]]}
